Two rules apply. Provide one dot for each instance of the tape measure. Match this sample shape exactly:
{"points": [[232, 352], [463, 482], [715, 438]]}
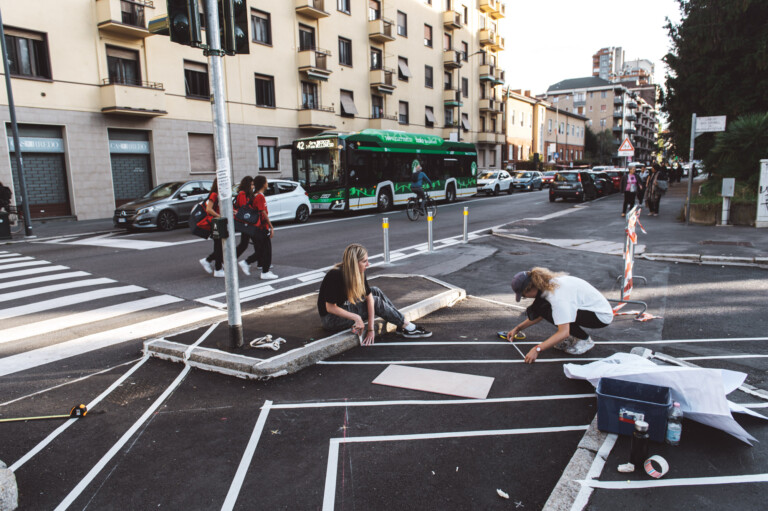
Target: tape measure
{"points": [[75, 413]]}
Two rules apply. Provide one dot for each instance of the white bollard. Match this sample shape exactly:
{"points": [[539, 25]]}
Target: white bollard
{"points": [[466, 218], [385, 228], [429, 232]]}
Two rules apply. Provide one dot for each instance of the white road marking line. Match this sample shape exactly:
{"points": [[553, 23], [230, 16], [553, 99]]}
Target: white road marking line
{"points": [[47, 278], [56, 303], [3, 262], [689, 481], [31, 271], [41, 356], [422, 402], [329, 496], [53, 288], [425, 362], [256, 291], [21, 265], [122, 243], [505, 304], [312, 276], [8, 254], [82, 318], [595, 469], [245, 461]]}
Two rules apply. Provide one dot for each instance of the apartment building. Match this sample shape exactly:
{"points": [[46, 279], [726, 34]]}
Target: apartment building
{"points": [[563, 135], [607, 63], [524, 126], [106, 110]]}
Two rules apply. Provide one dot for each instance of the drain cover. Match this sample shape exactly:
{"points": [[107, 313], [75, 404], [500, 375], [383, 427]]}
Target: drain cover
{"points": [[731, 243]]}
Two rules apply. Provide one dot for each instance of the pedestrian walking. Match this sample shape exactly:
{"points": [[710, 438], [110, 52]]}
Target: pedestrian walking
{"points": [[569, 303], [347, 301], [5, 196], [655, 189], [212, 211], [628, 185], [245, 193], [643, 177], [262, 241]]}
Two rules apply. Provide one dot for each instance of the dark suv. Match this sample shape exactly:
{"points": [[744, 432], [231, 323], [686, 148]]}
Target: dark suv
{"points": [[573, 184]]}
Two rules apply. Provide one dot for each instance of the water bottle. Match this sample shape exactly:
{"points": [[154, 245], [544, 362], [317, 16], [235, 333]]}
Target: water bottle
{"points": [[638, 451], [674, 425]]}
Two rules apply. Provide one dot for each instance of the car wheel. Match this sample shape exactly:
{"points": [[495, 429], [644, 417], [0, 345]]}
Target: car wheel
{"points": [[552, 197], [450, 194], [496, 190], [302, 214], [384, 203], [510, 189], [167, 221], [541, 185]]}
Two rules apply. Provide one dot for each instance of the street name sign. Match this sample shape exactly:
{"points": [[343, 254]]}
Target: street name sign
{"points": [[707, 124]]}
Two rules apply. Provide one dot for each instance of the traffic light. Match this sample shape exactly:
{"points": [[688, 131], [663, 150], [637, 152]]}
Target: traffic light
{"points": [[234, 26], [184, 22]]}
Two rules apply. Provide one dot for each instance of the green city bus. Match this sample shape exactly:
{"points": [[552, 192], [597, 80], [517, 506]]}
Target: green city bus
{"points": [[373, 168]]}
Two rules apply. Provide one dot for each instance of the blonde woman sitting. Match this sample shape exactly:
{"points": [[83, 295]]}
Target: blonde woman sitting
{"points": [[347, 301]]}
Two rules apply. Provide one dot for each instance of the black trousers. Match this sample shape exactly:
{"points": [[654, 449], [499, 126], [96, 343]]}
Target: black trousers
{"points": [[217, 256], [653, 204], [263, 250], [541, 308], [629, 201], [243, 245]]}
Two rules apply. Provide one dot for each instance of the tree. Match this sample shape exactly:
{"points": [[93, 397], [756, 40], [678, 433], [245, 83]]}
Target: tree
{"points": [[737, 152], [718, 65]]}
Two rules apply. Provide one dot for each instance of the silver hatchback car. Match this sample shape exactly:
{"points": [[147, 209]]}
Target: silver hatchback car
{"points": [[163, 207]]}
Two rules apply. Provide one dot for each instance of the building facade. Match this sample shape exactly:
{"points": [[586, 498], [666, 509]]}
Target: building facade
{"points": [[607, 63], [563, 135], [106, 110], [519, 126]]}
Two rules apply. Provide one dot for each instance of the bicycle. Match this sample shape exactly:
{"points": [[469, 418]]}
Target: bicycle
{"points": [[428, 207]]}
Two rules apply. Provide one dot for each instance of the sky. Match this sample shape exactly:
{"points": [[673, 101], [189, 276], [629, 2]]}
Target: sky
{"points": [[548, 41]]}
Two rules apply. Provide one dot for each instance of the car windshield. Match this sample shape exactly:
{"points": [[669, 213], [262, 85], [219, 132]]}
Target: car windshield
{"points": [[163, 191], [489, 175], [550, 173], [567, 177], [525, 175]]}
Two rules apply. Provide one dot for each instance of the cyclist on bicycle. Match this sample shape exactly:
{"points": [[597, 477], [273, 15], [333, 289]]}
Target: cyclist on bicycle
{"points": [[417, 184]]}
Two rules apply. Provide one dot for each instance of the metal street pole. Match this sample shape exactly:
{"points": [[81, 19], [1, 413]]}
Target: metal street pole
{"points": [[223, 171], [16, 143], [690, 171]]}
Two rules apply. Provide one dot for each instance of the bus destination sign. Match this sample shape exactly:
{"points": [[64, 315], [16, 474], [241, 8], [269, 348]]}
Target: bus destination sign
{"points": [[322, 143]]}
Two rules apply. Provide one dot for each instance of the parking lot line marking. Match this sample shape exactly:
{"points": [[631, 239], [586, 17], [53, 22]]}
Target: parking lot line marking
{"points": [[595, 469], [688, 481], [515, 361], [53, 288], [3, 262], [46, 278], [21, 265], [421, 402], [245, 461], [57, 303], [31, 271], [85, 317], [497, 302], [329, 496]]}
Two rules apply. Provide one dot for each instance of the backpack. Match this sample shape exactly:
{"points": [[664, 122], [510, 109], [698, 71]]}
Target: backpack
{"points": [[197, 214]]}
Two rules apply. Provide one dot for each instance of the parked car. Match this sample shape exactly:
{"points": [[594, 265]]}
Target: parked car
{"points": [[548, 177], [163, 207], [494, 182], [603, 184], [527, 180], [287, 200], [616, 175], [573, 184]]}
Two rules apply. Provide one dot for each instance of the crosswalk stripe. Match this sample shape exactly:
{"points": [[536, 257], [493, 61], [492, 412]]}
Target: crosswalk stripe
{"points": [[22, 265], [101, 340], [7, 254], [3, 262], [56, 287], [81, 318], [46, 278], [56, 303], [31, 271]]}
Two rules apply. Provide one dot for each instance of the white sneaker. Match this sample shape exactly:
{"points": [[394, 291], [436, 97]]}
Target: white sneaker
{"points": [[218, 273], [245, 267], [268, 276], [206, 265], [565, 344], [581, 346]]}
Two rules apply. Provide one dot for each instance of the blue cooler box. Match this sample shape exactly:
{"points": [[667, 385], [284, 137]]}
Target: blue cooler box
{"points": [[618, 401]]}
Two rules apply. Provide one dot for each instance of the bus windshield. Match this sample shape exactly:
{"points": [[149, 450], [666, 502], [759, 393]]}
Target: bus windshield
{"points": [[318, 168]]}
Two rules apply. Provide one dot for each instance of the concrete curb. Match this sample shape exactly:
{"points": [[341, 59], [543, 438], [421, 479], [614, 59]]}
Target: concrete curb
{"points": [[9, 491], [242, 366]]}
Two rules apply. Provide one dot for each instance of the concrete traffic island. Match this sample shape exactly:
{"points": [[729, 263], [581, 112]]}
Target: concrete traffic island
{"points": [[9, 492], [296, 320]]}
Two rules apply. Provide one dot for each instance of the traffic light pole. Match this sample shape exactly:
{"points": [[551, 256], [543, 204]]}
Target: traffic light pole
{"points": [[223, 171]]}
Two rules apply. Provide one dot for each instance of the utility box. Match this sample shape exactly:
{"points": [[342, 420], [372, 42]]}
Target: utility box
{"points": [[620, 403], [729, 186]]}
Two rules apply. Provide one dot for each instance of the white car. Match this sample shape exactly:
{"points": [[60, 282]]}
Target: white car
{"points": [[494, 182], [286, 200]]}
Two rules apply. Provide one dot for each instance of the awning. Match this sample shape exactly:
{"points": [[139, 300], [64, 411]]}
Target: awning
{"points": [[348, 105]]}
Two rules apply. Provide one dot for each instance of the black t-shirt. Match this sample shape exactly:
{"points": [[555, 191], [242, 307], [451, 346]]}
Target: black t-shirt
{"points": [[332, 290]]}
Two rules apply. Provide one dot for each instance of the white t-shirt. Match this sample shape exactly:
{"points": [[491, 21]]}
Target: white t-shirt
{"points": [[573, 294]]}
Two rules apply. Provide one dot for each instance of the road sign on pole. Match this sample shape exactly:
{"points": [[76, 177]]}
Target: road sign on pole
{"points": [[699, 125], [626, 148], [707, 124]]}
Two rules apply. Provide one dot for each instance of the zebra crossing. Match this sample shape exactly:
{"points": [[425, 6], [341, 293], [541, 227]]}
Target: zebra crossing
{"points": [[50, 312]]}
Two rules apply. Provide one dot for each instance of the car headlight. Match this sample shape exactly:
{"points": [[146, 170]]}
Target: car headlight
{"points": [[146, 210]]}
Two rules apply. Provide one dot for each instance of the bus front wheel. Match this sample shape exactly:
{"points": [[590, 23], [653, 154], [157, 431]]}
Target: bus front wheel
{"points": [[450, 194], [385, 201]]}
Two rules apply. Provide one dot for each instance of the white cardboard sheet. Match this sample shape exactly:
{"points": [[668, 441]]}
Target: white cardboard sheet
{"points": [[439, 382], [701, 392]]}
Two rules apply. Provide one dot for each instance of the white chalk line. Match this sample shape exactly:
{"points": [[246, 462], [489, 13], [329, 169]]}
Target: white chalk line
{"points": [[245, 461], [497, 302], [77, 490], [633, 343], [329, 496], [690, 481], [595, 469]]}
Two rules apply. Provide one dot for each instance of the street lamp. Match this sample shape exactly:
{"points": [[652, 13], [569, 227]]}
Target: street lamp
{"points": [[458, 91]]}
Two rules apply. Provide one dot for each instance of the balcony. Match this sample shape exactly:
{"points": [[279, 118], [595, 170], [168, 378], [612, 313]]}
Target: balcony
{"points": [[487, 37], [617, 128], [450, 130], [380, 30], [486, 137], [449, 98], [630, 130], [315, 64], [498, 43], [580, 102], [618, 100], [382, 80], [500, 12], [314, 9], [487, 73], [490, 106], [488, 6], [317, 117], [499, 76], [451, 20], [631, 117], [451, 59], [125, 18], [618, 113], [632, 104], [146, 99], [383, 122]]}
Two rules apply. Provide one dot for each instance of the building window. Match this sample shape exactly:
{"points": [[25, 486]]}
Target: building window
{"points": [[348, 108], [549, 125], [465, 122], [265, 90], [447, 80], [27, 53], [448, 114], [345, 52], [196, 80], [492, 158], [262, 27], [428, 77], [482, 123], [465, 87], [377, 107], [447, 42], [602, 108], [522, 118], [590, 108], [603, 94], [402, 24], [512, 117], [344, 6], [309, 97], [403, 112], [602, 123], [427, 35], [429, 117], [464, 50], [376, 61], [306, 38], [374, 9], [403, 72], [464, 14], [267, 152], [123, 66]]}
